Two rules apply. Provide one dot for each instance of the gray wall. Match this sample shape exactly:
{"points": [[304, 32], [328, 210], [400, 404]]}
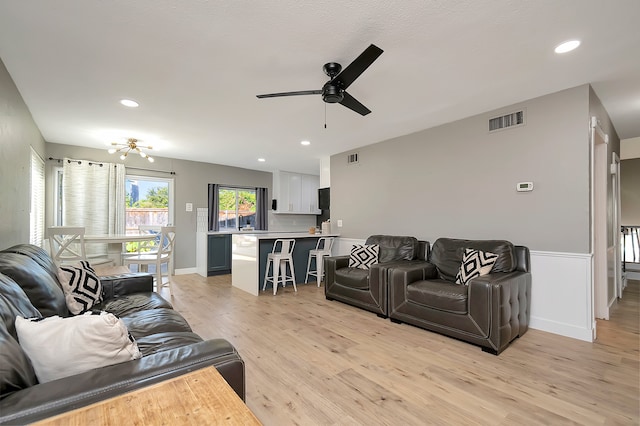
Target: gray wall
{"points": [[630, 191], [18, 131], [191, 180], [457, 180]]}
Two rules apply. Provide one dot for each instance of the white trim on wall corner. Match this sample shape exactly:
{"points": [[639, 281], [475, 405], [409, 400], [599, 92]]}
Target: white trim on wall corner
{"points": [[561, 300]]}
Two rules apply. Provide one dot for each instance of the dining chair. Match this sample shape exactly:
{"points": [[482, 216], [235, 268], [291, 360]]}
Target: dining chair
{"points": [[67, 245], [280, 257], [163, 256], [323, 249], [144, 247]]}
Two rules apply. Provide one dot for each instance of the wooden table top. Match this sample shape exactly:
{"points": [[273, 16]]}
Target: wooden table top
{"points": [[118, 238], [202, 397]]}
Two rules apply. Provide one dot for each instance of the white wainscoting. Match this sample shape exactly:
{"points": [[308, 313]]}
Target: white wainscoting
{"points": [[342, 246], [561, 299]]}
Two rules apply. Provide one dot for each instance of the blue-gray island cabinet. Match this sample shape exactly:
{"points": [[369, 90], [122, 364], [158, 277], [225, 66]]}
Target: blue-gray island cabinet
{"points": [[218, 254]]}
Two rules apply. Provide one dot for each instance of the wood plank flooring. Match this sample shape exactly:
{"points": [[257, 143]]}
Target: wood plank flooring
{"points": [[314, 362]]}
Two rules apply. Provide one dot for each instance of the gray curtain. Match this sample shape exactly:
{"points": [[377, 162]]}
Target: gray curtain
{"points": [[213, 207], [262, 209]]}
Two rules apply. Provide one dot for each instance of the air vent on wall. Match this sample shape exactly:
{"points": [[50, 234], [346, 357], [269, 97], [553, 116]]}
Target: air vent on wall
{"points": [[506, 121], [352, 158]]}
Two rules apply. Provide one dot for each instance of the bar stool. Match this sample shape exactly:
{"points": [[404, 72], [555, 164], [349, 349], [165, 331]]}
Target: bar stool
{"points": [[323, 248], [280, 256]]}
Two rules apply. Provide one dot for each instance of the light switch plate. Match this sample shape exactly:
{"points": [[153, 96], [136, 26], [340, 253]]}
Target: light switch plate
{"points": [[189, 207], [339, 223]]}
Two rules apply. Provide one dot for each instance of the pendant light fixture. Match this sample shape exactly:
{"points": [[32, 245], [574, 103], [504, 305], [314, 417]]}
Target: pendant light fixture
{"points": [[126, 148]]}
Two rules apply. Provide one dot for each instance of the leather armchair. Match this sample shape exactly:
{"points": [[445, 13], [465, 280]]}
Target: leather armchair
{"points": [[367, 289], [491, 311]]}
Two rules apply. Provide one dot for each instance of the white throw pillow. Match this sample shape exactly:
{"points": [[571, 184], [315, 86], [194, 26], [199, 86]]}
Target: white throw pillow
{"points": [[60, 347], [82, 287]]}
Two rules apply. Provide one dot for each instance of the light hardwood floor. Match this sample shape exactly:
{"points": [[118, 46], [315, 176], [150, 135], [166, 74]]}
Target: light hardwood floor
{"points": [[314, 362]]}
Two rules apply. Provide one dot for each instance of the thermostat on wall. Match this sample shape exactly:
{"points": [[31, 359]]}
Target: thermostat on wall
{"points": [[524, 186]]}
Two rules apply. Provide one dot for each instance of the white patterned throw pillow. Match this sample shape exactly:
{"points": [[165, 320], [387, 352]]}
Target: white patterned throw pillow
{"points": [[82, 287], [363, 256], [475, 263], [60, 347]]}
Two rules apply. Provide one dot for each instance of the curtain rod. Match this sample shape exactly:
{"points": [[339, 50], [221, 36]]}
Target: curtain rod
{"points": [[91, 163], [152, 170]]}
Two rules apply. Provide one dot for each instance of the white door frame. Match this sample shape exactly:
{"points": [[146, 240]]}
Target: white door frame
{"points": [[599, 181], [617, 221]]}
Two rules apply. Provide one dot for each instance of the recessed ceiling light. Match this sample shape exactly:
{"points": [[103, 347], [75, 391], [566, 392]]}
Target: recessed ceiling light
{"points": [[262, 160], [305, 143], [567, 46], [129, 103]]}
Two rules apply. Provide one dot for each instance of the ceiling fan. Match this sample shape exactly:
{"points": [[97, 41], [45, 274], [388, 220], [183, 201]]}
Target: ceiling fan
{"points": [[334, 90]]}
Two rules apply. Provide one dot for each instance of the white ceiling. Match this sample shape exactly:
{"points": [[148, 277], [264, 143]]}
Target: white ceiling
{"points": [[196, 66]]}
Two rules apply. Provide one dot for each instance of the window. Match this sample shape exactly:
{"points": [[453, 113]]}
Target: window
{"points": [[148, 201], [236, 208], [36, 214]]}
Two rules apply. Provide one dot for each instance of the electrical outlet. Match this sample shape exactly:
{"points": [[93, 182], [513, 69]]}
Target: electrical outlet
{"points": [[339, 223], [189, 207]]}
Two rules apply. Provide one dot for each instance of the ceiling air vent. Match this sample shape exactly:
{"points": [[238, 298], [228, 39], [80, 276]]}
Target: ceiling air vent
{"points": [[352, 158], [506, 121]]}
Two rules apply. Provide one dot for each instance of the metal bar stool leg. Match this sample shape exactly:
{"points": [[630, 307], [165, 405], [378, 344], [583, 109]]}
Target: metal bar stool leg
{"points": [[319, 268], [306, 278]]}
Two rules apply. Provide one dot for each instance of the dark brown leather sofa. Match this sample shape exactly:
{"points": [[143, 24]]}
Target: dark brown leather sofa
{"points": [[29, 287], [367, 289], [491, 311]]}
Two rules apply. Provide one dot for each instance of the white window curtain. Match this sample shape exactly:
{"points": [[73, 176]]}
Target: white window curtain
{"points": [[36, 213], [93, 196]]}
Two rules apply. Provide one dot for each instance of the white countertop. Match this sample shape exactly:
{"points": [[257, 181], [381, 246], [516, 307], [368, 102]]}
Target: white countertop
{"points": [[266, 235]]}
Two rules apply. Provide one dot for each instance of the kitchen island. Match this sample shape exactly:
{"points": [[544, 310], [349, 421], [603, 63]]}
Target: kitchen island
{"points": [[249, 257]]}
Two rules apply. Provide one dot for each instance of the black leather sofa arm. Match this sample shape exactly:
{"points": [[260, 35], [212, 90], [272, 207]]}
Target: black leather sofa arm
{"points": [[331, 265], [506, 297], [404, 275], [337, 262], [123, 284], [58, 396]]}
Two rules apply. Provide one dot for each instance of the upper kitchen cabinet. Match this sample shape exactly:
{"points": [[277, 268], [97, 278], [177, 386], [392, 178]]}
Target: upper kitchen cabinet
{"points": [[296, 193]]}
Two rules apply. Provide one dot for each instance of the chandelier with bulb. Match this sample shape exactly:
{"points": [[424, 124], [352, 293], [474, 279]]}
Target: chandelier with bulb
{"points": [[126, 148]]}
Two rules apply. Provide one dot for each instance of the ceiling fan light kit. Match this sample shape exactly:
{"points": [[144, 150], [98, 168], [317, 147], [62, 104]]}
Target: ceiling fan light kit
{"points": [[126, 148], [334, 90]]}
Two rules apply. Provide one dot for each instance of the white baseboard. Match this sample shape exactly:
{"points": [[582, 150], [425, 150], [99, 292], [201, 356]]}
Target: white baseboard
{"points": [[563, 329], [632, 275], [185, 271]]}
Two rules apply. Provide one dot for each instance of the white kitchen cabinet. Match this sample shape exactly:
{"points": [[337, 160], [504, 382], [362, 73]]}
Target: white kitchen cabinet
{"points": [[296, 193]]}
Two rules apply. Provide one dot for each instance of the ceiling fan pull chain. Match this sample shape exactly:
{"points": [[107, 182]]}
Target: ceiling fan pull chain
{"points": [[325, 115]]}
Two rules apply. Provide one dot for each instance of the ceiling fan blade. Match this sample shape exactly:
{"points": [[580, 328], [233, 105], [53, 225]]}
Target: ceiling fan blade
{"points": [[302, 92], [353, 104], [357, 67]]}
